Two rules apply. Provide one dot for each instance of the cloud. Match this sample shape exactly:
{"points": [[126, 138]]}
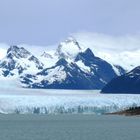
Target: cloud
{"points": [[3, 50], [38, 50], [103, 42]]}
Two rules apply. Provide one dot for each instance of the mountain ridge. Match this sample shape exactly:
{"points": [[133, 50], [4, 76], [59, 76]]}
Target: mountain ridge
{"points": [[71, 68]]}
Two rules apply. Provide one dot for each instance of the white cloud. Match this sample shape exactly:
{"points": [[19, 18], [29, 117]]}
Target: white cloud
{"points": [[3, 49], [107, 42], [38, 50]]}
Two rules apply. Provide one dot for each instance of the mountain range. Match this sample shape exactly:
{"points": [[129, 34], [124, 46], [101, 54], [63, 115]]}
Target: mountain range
{"points": [[70, 67]]}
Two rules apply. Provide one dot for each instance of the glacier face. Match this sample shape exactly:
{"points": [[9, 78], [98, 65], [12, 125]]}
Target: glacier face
{"points": [[30, 101]]}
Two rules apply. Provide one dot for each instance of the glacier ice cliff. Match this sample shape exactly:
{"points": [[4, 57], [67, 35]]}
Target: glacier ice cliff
{"points": [[31, 101]]}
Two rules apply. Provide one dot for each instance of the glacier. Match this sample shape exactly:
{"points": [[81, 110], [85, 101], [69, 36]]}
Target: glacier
{"points": [[41, 101]]}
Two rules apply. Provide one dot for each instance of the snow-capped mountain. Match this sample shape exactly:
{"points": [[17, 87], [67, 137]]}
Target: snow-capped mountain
{"points": [[86, 71], [96, 66], [68, 49], [116, 50], [63, 75], [127, 83], [69, 67], [18, 61]]}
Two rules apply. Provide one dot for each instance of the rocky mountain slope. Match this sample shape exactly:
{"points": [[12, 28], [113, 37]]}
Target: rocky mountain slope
{"points": [[127, 83]]}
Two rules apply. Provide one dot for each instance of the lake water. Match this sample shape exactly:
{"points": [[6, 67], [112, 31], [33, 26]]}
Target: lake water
{"points": [[69, 127]]}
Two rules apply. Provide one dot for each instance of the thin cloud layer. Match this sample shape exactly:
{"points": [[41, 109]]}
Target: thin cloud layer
{"points": [[107, 42], [3, 50]]}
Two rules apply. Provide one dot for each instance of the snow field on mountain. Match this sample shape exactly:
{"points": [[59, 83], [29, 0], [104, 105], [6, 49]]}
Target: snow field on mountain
{"points": [[83, 67], [56, 74]]}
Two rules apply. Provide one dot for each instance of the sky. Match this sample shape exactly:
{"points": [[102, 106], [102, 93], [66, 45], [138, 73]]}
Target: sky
{"points": [[46, 22]]}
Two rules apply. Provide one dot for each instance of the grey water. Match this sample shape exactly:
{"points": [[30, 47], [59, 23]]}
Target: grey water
{"points": [[69, 127]]}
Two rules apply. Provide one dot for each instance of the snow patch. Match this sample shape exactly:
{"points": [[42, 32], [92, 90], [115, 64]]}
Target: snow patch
{"points": [[83, 66], [57, 74]]}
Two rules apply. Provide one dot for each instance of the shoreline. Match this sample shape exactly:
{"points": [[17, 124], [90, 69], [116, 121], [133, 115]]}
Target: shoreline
{"points": [[132, 111]]}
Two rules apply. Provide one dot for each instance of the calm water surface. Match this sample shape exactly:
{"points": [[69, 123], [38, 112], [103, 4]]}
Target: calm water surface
{"points": [[69, 127]]}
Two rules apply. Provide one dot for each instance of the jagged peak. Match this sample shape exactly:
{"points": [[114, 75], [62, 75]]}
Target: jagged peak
{"points": [[135, 71], [68, 49], [12, 48], [18, 52], [46, 55], [89, 52], [61, 61], [71, 40]]}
